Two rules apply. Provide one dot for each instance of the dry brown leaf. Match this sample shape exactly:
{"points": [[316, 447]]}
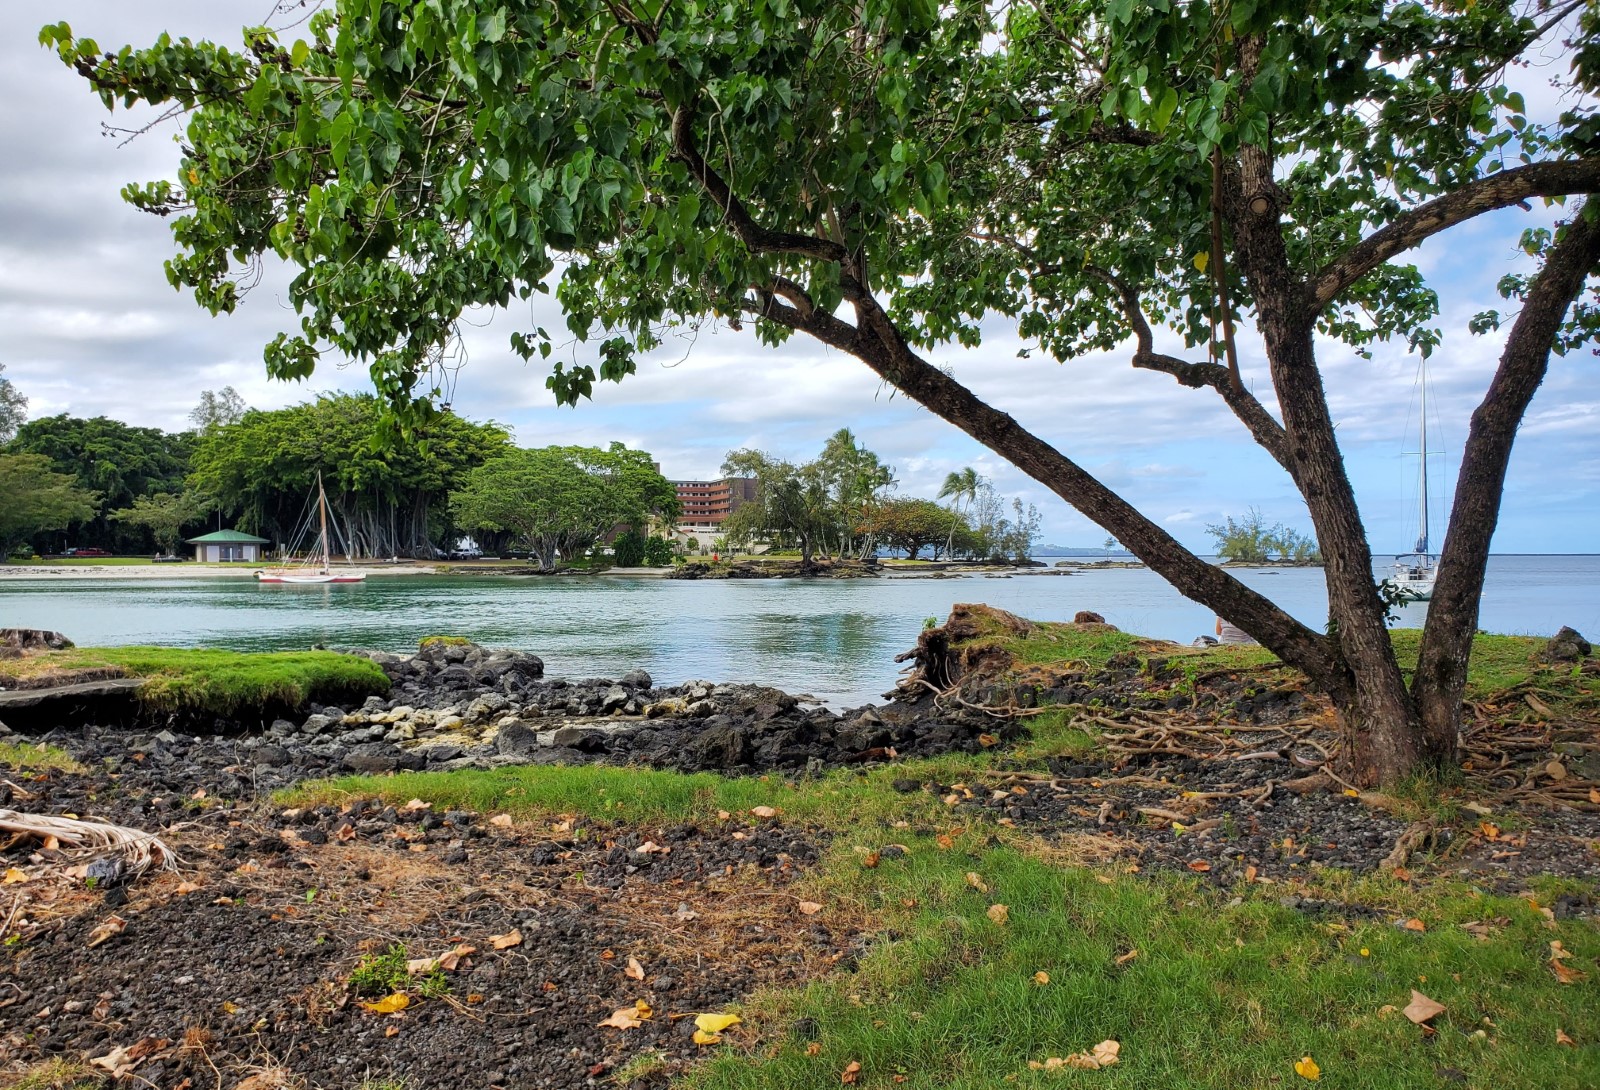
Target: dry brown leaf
{"points": [[1250, 873], [976, 882], [998, 913], [1199, 866], [416, 804], [449, 962], [509, 939], [1123, 959], [634, 971], [1421, 1009], [1414, 924], [810, 908], [1555, 770], [345, 833], [107, 930], [1103, 1054], [814, 1048], [870, 860], [1489, 829], [608, 955], [764, 811], [1594, 795], [1559, 951], [1564, 973], [501, 821], [851, 1072], [1563, 1039], [391, 1030], [625, 1018], [1041, 978]]}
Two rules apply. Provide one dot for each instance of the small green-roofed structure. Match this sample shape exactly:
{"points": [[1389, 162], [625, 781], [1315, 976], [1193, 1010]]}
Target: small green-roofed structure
{"points": [[220, 545]]}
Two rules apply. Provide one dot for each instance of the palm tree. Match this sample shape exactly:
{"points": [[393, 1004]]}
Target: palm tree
{"points": [[959, 486]]}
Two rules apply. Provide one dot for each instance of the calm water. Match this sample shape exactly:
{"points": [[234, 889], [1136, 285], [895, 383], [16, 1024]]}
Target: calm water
{"points": [[834, 639]]}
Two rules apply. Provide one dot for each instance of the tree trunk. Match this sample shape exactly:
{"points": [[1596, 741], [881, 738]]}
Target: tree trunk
{"points": [[1441, 676]]}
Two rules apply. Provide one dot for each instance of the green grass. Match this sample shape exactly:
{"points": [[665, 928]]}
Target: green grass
{"points": [[213, 681], [36, 757], [85, 562], [54, 1075], [1228, 989]]}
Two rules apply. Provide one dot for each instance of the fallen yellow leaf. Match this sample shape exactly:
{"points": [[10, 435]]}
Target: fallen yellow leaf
{"points": [[851, 1072], [389, 1004], [14, 877], [998, 913], [1307, 1068], [715, 1023], [701, 1037], [1041, 977]]}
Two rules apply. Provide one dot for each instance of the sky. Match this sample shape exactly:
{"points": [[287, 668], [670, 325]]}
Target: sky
{"points": [[89, 326]]}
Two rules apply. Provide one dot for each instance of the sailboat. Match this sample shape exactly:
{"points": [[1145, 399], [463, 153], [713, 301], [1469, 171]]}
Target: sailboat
{"points": [[1414, 572], [318, 565]]}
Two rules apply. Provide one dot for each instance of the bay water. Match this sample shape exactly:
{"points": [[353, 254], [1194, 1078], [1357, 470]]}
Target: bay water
{"points": [[833, 639]]}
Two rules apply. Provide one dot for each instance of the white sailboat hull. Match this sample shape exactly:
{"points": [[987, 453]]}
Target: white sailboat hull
{"points": [[273, 577], [1414, 582]]}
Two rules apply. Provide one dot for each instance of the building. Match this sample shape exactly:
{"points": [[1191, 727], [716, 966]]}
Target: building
{"points": [[705, 504], [227, 545]]}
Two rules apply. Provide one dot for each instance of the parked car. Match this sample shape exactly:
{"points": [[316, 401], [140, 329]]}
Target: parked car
{"points": [[88, 552]]}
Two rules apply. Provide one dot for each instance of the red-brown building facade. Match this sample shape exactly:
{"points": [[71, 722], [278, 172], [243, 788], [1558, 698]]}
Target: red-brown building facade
{"points": [[707, 503]]}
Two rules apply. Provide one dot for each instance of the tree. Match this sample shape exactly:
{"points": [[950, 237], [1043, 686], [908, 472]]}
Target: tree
{"points": [[908, 523], [37, 499], [793, 503], [385, 498], [13, 408], [856, 478], [1251, 541], [959, 486], [880, 177], [561, 501], [217, 409], [117, 462], [165, 514]]}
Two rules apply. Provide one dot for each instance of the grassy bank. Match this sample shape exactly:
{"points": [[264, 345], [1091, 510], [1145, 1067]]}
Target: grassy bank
{"points": [[211, 681], [1202, 986], [999, 947]]}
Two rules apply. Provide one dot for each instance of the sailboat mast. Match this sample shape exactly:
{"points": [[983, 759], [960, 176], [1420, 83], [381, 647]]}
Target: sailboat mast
{"points": [[1422, 489], [322, 517]]}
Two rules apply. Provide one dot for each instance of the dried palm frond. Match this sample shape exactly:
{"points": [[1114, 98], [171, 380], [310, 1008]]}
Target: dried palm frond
{"points": [[140, 851]]}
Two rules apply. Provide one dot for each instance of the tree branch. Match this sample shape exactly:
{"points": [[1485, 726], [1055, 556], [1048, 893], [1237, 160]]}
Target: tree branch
{"points": [[1263, 428], [757, 238], [1473, 199], [1480, 488]]}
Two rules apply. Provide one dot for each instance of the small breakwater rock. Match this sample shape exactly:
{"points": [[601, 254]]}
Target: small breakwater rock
{"points": [[456, 705]]}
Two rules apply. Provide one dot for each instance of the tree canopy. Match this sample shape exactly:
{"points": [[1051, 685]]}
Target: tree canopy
{"points": [[385, 498], [883, 176], [561, 501], [37, 499]]}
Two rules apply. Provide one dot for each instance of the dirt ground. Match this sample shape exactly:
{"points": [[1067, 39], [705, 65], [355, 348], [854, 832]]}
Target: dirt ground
{"points": [[240, 966]]}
